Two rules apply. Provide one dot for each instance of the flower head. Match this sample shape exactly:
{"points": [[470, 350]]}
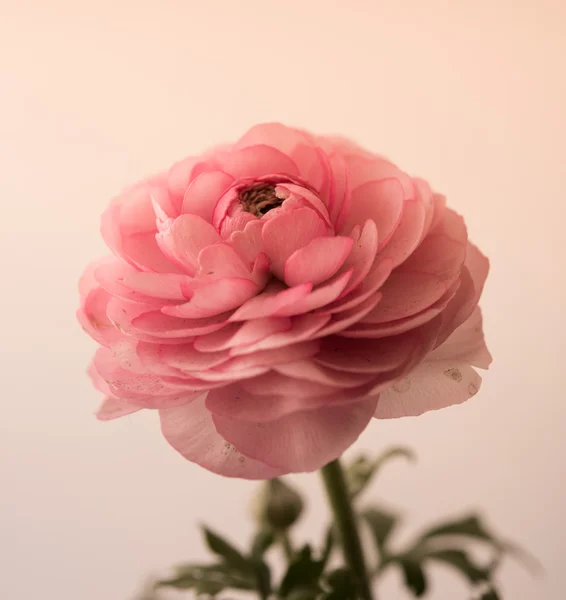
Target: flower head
{"points": [[270, 297]]}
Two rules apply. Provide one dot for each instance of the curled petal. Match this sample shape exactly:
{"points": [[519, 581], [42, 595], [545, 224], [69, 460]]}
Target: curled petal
{"points": [[160, 325], [382, 202], [236, 335], [370, 285], [293, 143], [185, 238], [408, 234], [214, 298], [317, 261], [288, 232], [258, 160], [319, 297], [363, 254], [271, 302], [303, 327], [203, 193]]}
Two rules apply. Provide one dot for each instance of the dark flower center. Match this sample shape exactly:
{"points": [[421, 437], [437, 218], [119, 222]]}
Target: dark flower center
{"points": [[260, 198]]}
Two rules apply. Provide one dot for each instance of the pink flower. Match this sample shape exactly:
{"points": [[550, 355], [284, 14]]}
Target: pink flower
{"points": [[270, 297]]}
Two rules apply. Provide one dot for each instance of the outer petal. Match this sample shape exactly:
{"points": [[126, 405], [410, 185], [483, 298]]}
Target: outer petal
{"points": [[427, 275], [302, 441], [444, 379], [129, 228], [92, 313], [433, 385], [235, 402], [472, 279], [408, 234], [190, 430], [114, 408], [466, 344]]}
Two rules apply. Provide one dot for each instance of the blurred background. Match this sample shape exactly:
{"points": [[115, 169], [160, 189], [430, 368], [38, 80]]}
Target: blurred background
{"points": [[94, 95]]}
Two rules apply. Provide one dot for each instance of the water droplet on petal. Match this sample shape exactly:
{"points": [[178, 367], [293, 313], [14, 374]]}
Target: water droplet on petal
{"points": [[453, 374]]}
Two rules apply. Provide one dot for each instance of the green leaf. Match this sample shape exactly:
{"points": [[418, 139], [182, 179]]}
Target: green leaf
{"points": [[224, 549], [468, 527], [263, 577], [342, 586], [413, 574], [302, 575], [462, 562], [381, 524], [263, 540], [207, 579], [327, 548], [303, 595], [490, 594], [362, 470]]}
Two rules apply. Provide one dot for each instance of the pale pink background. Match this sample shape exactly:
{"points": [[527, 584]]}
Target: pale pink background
{"points": [[96, 94]]}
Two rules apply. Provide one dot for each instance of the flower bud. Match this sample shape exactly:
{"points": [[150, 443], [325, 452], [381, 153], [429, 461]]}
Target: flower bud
{"points": [[277, 506]]}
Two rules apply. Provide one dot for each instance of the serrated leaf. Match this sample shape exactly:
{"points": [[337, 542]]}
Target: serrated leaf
{"points": [[302, 574], [462, 562], [362, 470], [263, 540], [207, 579], [413, 575], [381, 524], [222, 548]]}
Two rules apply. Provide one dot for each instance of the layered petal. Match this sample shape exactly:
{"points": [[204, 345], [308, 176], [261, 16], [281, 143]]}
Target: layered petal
{"points": [[445, 378], [191, 431], [303, 441], [270, 297]]}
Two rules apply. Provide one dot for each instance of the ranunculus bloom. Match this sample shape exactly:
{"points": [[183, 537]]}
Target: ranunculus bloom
{"points": [[270, 297]]}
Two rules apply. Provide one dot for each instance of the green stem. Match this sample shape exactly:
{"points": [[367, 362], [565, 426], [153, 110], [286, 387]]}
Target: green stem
{"points": [[285, 542], [346, 525]]}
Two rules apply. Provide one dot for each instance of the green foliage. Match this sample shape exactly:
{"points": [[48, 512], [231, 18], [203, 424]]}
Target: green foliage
{"points": [[413, 574], [341, 586], [225, 550], [469, 526], [381, 524], [302, 575], [328, 547], [361, 471], [208, 579], [263, 540], [306, 576]]}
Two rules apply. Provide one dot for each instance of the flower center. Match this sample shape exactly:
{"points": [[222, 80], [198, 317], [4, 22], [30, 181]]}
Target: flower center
{"points": [[260, 198]]}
